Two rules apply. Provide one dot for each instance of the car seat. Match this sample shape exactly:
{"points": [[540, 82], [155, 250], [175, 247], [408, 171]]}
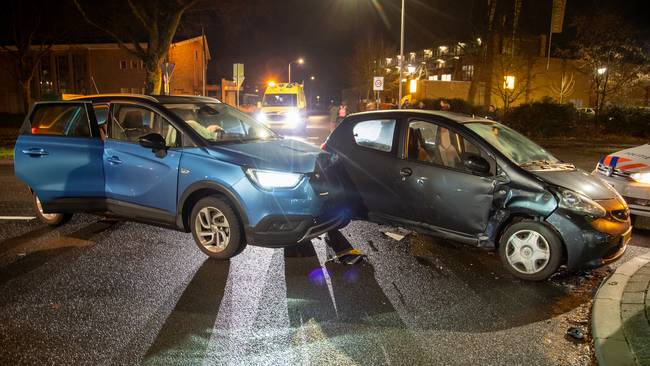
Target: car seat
{"points": [[133, 125], [448, 152]]}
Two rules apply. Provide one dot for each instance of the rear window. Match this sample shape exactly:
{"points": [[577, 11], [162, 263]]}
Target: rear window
{"points": [[60, 120], [375, 134]]}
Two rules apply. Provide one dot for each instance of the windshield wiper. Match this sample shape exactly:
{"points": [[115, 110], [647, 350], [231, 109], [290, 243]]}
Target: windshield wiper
{"points": [[536, 162]]}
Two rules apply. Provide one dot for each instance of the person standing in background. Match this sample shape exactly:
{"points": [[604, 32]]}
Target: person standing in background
{"points": [[334, 112]]}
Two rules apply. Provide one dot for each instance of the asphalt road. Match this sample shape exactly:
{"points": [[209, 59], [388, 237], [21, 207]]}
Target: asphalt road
{"points": [[99, 291]]}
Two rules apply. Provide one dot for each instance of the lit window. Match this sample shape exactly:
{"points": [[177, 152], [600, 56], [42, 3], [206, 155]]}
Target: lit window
{"points": [[124, 90], [468, 72], [433, 77], [446, 77]]}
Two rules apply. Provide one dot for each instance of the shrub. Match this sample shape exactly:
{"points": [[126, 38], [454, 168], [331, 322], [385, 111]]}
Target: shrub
{"points": [[626, 121], [542, 119]]}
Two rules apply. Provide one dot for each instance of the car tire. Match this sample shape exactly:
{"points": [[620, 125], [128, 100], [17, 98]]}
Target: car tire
{"points": [[531, 250], [51, 219], [216, 228]]}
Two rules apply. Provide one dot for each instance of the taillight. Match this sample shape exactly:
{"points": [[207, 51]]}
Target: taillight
{"points": [[323, 146], [34, 130]]}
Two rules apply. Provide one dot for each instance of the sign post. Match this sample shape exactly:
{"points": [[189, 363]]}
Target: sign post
{"points": [[238, 78], [378, 87], [557, 23]]}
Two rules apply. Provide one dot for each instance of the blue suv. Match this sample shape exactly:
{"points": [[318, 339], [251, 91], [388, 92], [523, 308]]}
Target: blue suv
{"points": [[189, 163]]}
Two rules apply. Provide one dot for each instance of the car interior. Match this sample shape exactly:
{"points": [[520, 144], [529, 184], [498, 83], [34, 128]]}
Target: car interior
{"points": [[437, 145]]}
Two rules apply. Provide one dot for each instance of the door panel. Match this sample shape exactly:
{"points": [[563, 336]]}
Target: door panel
{"points": [[135, 174], [369, 160], [441, 191], [57, 154]]}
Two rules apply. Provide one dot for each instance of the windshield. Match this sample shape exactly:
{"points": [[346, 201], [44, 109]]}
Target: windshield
{"points": [[279, 100], [217, 122], [511, 143]]}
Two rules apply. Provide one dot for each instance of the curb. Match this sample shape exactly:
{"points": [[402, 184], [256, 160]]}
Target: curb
{"points": [[610, 344]]}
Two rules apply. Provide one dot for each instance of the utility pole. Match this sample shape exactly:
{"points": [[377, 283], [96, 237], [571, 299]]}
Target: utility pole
{"points": [[401, 59]]}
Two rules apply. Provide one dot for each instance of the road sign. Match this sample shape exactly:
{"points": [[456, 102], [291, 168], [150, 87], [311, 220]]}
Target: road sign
{"points": [[378, 83], [557, 17]]}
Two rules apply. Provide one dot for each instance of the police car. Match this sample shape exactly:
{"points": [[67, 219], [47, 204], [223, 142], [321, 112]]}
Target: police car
{"points": [[628, 171]]}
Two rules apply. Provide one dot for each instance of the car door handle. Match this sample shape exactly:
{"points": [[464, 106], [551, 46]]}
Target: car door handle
{"points": [[114, 160], [405, 172], [35, 152]]}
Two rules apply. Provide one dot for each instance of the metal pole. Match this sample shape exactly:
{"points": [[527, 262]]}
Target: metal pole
{"points": [[550, 38], [289, 72], [401, 59]]}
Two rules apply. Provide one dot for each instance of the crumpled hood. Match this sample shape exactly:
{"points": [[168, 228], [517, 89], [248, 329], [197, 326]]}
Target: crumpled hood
{"points": [[629, 160], [579, 181], [285, 155]]}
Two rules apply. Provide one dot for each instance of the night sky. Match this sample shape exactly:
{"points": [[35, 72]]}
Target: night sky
{"points": [[270, 33]]}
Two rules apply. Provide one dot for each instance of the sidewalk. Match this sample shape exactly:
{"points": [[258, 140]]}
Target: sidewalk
{"points": [[621, 313]]}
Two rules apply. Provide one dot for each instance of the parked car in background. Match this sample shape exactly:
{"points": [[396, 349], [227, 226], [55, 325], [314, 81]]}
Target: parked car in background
{"points": [[188, 163], [478, 182], [628, 171]]}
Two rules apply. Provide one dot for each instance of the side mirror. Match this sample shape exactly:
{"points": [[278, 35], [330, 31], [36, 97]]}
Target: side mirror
{"points": [[475, 163], [153, 141]]}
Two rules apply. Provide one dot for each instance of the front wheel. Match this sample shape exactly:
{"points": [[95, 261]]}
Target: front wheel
{"points": [[51, 219], [530, 250], [216, 228]]}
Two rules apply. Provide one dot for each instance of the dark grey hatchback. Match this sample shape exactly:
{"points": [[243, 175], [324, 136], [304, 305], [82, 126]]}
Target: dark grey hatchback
{"points": [[479, 182]]}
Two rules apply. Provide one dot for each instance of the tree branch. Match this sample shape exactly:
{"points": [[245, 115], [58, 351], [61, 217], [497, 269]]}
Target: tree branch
{"points": [[136, 52]]}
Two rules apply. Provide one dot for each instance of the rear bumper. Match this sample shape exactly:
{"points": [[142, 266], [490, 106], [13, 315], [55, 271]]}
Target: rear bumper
{"points": [[278, 231]]}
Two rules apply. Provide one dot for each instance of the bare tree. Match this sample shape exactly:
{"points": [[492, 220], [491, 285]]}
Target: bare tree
{"points": [[563, 88], [512, 77], [26, 53], [610, 55], [156, 20], [366, 60]]}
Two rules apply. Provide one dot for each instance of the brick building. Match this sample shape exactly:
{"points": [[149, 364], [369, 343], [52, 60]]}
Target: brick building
{"points": [[103, 68]]}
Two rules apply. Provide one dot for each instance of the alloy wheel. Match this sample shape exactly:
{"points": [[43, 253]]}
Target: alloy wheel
{"points": [[212, 229]]}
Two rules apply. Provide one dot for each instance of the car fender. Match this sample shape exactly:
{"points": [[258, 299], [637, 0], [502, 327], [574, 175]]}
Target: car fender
{"points": [[211, 185]]}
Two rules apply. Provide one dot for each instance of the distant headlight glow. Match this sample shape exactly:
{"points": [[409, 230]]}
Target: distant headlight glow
{"points": [[268, 179], [261, 117], [293, 118]]}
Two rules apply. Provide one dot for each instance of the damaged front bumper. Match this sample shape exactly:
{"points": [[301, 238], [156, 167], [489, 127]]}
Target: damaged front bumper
{"points": [[590, 243]]}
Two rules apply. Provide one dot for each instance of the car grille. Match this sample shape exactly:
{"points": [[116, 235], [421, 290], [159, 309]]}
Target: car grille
{"points": [[621, 215], [617, 173]]}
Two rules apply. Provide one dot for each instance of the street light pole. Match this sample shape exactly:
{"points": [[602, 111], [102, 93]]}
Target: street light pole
{"points": [[401, 59], [298, 61]]}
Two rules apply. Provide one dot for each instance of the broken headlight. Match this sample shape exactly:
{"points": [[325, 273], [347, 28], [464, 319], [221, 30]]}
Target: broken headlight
{"points": [[580, 203]]}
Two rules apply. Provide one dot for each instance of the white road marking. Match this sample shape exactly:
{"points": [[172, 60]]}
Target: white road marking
{"points": [[26, 218]]}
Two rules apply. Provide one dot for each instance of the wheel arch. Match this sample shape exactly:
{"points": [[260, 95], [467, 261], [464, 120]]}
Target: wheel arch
{"points": [[522, 216], [201, 189]]}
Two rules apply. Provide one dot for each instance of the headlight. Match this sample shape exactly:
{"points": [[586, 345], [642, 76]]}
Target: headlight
{"points": [[267, 179], [641, 177], [580, 203], [261, 117], [293, 118]]}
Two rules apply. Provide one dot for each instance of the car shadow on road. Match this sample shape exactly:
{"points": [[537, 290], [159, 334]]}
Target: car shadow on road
{"points": [[186, 333], [341, 311], [503, 300]]}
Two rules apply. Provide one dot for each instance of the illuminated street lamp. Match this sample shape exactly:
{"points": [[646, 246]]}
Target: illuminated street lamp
{"points": [[411, 69], [601, 70], [312, 78], [509, 82], [299, 61]]}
